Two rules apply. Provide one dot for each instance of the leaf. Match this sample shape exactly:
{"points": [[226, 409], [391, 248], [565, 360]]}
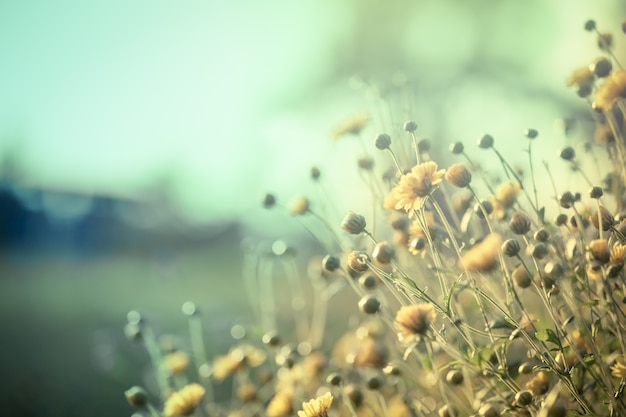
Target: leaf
{"points": [[547, 335]]}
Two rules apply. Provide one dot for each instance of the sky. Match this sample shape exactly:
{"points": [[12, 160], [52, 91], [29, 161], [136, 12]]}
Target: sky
{"points": [[219, 101]]}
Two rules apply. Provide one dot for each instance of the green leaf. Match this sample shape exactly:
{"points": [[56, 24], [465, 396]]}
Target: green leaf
{"points": [[547, 335]]}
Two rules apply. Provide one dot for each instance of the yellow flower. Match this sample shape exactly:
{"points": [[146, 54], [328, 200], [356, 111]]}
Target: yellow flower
{"points": [[506, 195], [317, 407], [176, 362], [238, 358], [184, 402], [619, 369], [582, 78], [483, 256], [351, 125], [414, 320], [414, 186], [613, 88], [280, 404]]}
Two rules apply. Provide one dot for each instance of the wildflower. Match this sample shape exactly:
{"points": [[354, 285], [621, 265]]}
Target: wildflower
{"points": [[618, 370], [457, 148], [568, 153], [176, 362], [369, 304], [317, 407], [521, 277], [383, 252], [410, 126], [351, 125], [238, 358], [358, 261], [413, 187], [280, 404], [504, 199], [483, 256], [458, 175], [382, 141], [540, 384], [599, 250], [414, 320], [582, 80], [353, 223], [510, 247], [618, 254], [486, 141], [601, 67], [613, 88], [137, 396], [184, 402], [606, 218], [520, 223], [523, 398]]}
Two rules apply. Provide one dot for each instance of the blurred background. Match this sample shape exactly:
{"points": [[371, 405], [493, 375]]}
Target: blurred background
{"points": [[136, 139]]}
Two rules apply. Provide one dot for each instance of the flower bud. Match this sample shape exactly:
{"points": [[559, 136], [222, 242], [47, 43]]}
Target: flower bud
{"points": [[457, 148], [353, 223], [567, 153], [486, 141], [520, 223], [383, 252], [268, 200], [538, 251], [382, 141], [137, 396], [605, 217], [357, 261], [590, 25], [374, 382], [561, 220], [524, 398], [368, 281], [454, 377], [599, 250], [601, 67], [333, 379], [410, 126], [458, 175], [315, 173], [541, 235], [299, 206], [531, 133], [330, 263], [369, 304], [596, 192], [520, 277], [567, 199], [510, 247], [423, 146]]}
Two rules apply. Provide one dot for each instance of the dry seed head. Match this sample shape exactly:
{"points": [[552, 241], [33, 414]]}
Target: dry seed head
{"points": [[353, 223], [457, 148], [488, 410], [271, 338], [601, 67], [582, 80], [520, 223], [458, 175], [486, 141], [599, 250], [510, 247], [383, 252], [554, 270], [369, 304], [410, 126], [370, 352], [382, 141], [358, 261], [399, 222], [521, 277], [605, 217]]}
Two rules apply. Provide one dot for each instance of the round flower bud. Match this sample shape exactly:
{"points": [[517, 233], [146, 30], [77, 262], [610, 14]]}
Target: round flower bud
{"points": [[133, 332], [525, 368], [190, 308], [382, 141], [333, 379], [354, 394], [417, 243], [567, 153], [606, 218], [268, 200], [510, 247], [423, 146], [520, 277], [520, 223], [368, 281], [584, 90], [560, 220], [567, 199], [531, 133], [553, 269], [596, 192], [590, 25], [458, 175], [357, 261], [457, 148], [454, 377], [369, 304], [315, 173], [538, 251], [392, 369], [524, 398], [486, 141], [383, 252], [410, 126], [374, 382], [399, 223], [353, 223], [137, 396], [601, 67], [486, 206], [541, 235], [330, 263]]}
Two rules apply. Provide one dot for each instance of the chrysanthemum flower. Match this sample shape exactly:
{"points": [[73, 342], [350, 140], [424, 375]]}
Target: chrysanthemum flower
{"points": [[351, 125], [504, 199], [613, 88], [483, 256], [184, 402], [317, 407], [619, 369], [413, 187], [280, 404], [414, 320], [176, 362], [237, 358]]}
